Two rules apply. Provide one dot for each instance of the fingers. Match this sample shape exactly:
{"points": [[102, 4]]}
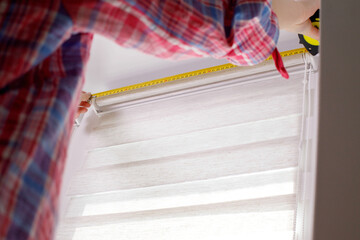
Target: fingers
{"points": [[84, 104], [79, 111], [82, 110], [308, 29], [85, 96]]}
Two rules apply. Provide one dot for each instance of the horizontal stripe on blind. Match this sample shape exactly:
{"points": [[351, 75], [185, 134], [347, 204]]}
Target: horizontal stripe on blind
{"points": [[242, 211], [234, 135], [223, 189], [276, 225], [209, 110], [195, 166]]}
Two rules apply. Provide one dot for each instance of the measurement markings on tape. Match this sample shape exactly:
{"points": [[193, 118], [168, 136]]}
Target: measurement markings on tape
{"points": [[186, 75]]}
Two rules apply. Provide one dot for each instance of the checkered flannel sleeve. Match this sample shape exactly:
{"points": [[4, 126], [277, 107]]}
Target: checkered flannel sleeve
{"points": [[244, 32], [36, 119]]}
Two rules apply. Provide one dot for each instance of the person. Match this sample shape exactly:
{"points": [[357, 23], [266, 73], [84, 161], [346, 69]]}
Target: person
{"points": [[44, 47]]}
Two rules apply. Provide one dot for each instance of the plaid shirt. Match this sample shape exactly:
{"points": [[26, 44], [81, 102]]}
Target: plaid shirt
{"points": [[44, 46]]}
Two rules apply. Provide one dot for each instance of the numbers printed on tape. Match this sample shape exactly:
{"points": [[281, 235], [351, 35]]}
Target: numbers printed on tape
{"points": [[186, 75]]}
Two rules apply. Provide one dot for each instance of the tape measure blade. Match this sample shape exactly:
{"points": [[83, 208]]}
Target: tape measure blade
{"points": [[186, 75]]}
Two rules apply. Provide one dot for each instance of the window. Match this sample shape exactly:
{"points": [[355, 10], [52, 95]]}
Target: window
{"points": [[213, 157]]}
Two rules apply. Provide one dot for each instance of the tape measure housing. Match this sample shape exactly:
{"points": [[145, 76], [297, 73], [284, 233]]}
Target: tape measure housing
{"points": [[312, 45]]}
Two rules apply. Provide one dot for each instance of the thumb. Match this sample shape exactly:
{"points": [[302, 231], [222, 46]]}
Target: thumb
{"points": [[308, 29]]}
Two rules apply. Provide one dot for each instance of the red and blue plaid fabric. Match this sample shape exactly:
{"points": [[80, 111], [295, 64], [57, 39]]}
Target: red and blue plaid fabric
{"points": [[44, 46]]}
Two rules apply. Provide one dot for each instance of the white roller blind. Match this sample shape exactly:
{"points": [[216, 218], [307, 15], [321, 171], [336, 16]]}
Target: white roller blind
{"points": [[214, 164]]}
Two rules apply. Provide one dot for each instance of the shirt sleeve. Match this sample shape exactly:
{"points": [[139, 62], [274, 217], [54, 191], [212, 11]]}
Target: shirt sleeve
{"points": [[36, 121], [30, 31], [243, 31]]}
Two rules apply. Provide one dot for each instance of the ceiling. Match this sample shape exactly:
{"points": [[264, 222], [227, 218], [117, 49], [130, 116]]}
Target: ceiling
{"points": [[111, 66]]}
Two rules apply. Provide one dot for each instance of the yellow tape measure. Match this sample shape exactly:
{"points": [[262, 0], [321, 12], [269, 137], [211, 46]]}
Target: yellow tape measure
{"points": [[186, 75]]}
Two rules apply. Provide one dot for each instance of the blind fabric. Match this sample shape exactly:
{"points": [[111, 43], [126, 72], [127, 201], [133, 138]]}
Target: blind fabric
{"points": [[219, 164]]}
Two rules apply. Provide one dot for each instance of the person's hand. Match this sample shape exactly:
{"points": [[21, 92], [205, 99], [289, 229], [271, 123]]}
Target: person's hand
{"points": [[84, 104], [294, 16]]}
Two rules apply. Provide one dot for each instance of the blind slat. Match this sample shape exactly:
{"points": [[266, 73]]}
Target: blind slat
{"points": [[274, 225], [269, 204], [176, 116], [191, 167], [240, 134], [241, 187]]}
